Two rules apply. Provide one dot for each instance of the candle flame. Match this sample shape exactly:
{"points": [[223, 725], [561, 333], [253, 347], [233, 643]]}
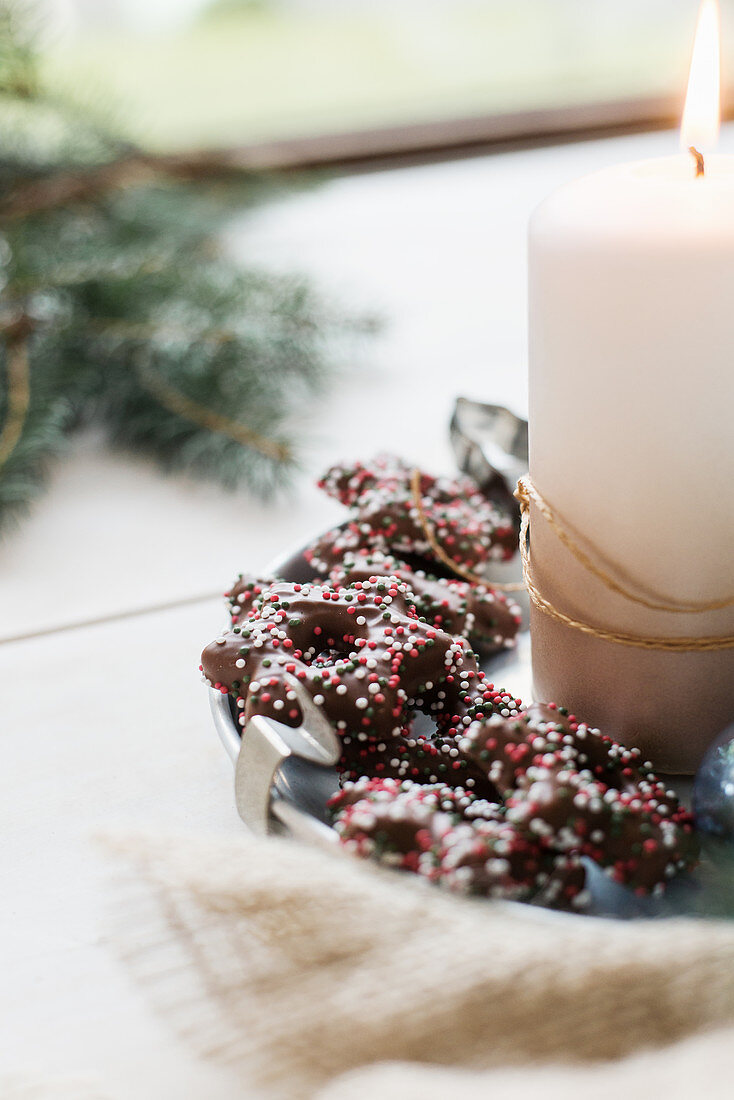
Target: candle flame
{"points": [[702, 112]]}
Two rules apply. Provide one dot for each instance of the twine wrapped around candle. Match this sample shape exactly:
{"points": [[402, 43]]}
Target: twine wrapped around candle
{"points": [[526, 493]]}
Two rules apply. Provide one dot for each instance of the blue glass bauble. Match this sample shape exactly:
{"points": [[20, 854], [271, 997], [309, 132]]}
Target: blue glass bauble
{"points": [[713, 788]]}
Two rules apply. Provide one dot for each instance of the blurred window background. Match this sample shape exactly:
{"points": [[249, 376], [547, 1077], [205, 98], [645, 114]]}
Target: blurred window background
{"points": [[186, 73]]}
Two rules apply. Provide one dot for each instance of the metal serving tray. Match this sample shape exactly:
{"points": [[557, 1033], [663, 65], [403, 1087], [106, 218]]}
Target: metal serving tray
{"points": [[284, 777]]}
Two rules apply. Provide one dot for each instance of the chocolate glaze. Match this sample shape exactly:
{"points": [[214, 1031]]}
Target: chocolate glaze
{"points": [[469, 526], [582, 792], [486, 617], [361, 652], [454, 839]]}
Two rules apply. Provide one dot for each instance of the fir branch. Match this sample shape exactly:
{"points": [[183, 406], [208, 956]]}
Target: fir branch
{"points": [[133, 318], [62, 189], [86, 184]]}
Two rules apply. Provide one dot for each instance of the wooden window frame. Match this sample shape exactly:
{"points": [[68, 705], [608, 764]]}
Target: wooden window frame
{"points": [[445, 139]]}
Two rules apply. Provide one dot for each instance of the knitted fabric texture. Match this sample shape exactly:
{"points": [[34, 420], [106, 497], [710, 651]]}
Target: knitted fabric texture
{"points": [[295, 966], [698, 1067]]}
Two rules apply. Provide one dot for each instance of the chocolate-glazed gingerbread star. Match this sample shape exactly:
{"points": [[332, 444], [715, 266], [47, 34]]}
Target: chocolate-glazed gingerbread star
{"points": [[471, 529], [577, 793], [582, 792], [361, 652], [487, 618], [452, 838]]}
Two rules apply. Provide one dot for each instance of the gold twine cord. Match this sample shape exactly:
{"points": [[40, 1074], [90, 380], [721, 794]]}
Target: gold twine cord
{"points": [[183, 406], [176, 402], [19, 395], [525, 494], [526, 491]]}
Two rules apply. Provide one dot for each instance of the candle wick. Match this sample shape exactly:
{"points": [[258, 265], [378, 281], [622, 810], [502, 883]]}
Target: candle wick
{"points": [[698, 157]]}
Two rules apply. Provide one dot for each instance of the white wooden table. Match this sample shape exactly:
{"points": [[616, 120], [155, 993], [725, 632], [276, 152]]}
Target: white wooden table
{"points": [[108, 591]]}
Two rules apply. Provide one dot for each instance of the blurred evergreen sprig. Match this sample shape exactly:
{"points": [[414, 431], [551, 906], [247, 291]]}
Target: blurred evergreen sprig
{"points": [[119, 308]]}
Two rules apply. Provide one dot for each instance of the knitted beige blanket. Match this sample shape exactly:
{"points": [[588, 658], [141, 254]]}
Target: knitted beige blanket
{"points": [[297, 967]]}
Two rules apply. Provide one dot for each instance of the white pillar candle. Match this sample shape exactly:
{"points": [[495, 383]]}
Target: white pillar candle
{"points": [[632, 444]]}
